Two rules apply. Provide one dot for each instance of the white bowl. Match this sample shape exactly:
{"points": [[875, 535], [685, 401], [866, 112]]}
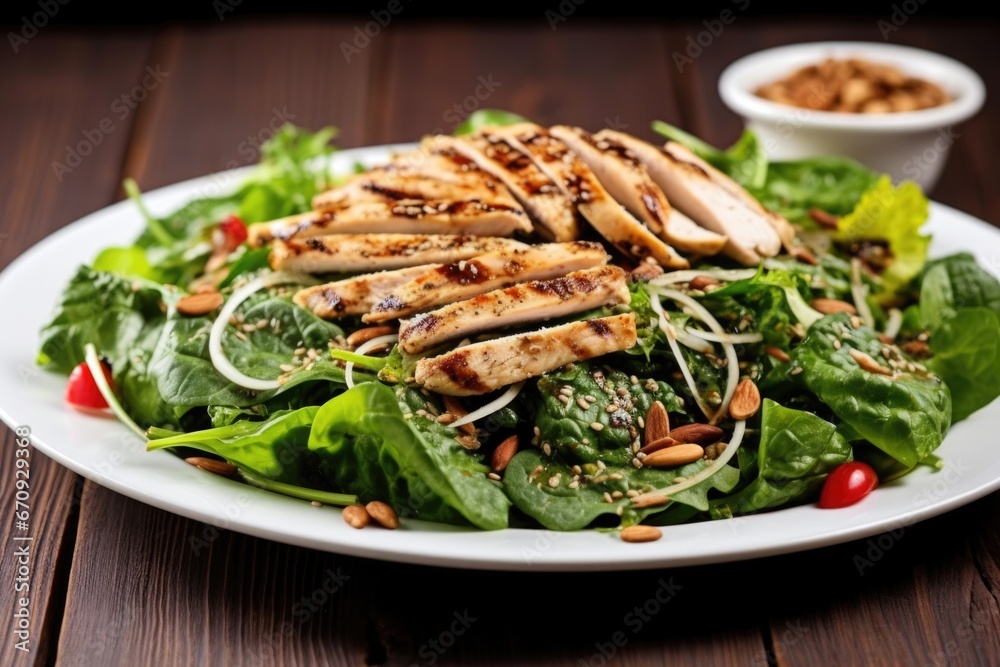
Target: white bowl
{"points": [[910, 145]]}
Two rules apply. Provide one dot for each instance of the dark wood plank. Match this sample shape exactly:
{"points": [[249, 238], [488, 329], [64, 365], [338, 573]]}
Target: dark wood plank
{"points": [[580, 74], [59, 87], [229, 87], [149, 587]]}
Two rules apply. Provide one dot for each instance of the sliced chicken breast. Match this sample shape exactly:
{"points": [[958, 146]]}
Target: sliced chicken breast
{"points": [[487, 272], [609, 154], [711, 199], [528, 302], [351, 253], [393, 201], [548, 206], [484, 367], [357, 295], [583, 187]]}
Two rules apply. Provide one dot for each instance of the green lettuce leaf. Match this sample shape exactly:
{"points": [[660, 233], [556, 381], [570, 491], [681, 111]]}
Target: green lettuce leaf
{"points": [[831, 184], [488, 118], [894, 215]]}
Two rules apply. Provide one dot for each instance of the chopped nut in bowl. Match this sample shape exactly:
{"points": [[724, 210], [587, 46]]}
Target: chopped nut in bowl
{"points": [[893, 108]]}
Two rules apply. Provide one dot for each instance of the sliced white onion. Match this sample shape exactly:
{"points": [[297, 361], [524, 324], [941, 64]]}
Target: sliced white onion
{"points": [[685, 338], [677, 277], [859, 292], [97, 371], [727, 454], [894, 323], [734, 339], [219, 360], [671, 334], [362, 349], [493, 406], [732, 362]]}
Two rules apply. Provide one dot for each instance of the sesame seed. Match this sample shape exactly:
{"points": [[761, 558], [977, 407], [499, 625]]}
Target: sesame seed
{"points": [[600, 465], [836, 344], [547, 448], [617, 495], [597, 426], [554, 480], [795, 371], [641, 422], [261, 323], [316, 503], [576, 470], [634, 380], [584, 405], [286, 368], [249, 328], [614, 407], [631, 493], [494, 476], [312, 354], [299, 351], [566, 391], [574, 484], [586, 441], [538, 432], [636, 463], [564, 398], [607, 497], [590, 399], [239, 334]]}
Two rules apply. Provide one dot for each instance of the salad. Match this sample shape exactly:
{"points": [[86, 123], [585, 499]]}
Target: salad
{"points": [[520, 326]]}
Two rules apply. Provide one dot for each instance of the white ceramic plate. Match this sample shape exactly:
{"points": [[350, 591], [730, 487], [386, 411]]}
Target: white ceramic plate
{"points": [[105, 452]]}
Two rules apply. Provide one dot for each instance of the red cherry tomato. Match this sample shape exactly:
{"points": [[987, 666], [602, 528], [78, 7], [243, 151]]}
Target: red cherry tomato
{"points": [[847, 484], [234, 233], [82, 392]]}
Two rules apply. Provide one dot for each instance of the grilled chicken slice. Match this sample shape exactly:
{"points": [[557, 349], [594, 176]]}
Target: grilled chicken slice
{"points": [[610, 155], [548, 206], [483, 367], [351, 253], [528, 302], [401, 199], [711, 199], [487, 272], [586, 191], [357, 295]]}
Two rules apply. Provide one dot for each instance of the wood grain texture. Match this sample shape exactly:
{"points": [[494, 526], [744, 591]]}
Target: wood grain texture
{"points": [[57, 88], [579, 74]]}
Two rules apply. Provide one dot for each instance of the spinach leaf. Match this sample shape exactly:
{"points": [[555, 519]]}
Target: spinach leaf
{"points": [[124, 319], [185, 373], [797, 450], [831, 184], [952, 283], [368, 446], [274, 449], [565, 425], [967, 356], [540, 487], [487, 118], [745, 161], [129, 261], [906, 415]]}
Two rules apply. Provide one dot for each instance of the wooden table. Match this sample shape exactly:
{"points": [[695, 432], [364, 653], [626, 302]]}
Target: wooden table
{"points": [[118, 582]]}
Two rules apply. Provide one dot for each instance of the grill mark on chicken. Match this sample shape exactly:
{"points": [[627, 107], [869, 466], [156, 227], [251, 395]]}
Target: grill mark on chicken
{"points": [[351, 253], [483, 367], [357, 295], [547, 205], [489, 271], [513, 306], [585, 190]]}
